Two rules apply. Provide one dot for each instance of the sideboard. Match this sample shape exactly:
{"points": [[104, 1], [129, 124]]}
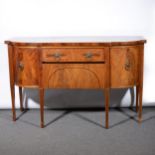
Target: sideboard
{"points": [[76, 63]]}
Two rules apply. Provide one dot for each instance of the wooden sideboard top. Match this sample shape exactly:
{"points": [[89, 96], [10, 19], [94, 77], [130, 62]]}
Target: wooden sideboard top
{"points": [[77, 40]]}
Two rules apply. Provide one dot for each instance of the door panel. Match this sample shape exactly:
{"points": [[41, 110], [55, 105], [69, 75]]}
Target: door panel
{"points": [[74, 76], [27, 66], [124, 66]]}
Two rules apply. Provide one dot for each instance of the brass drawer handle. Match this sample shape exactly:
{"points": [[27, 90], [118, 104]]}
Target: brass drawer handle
{"points": [[21, 66], [55, 55], [88, 55]]}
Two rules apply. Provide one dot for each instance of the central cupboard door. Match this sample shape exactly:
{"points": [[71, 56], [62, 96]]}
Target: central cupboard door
{"points": [[74, 75]]}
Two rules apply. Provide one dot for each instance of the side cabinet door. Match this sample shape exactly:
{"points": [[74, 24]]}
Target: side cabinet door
{"points": [[26, 66], [124, 66]]}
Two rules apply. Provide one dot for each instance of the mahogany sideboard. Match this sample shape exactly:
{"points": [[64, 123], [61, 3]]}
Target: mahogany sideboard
{"points": [[76, 63]]}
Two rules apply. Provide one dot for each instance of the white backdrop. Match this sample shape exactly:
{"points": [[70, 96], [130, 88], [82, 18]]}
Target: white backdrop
{"points": [[32, 18]]}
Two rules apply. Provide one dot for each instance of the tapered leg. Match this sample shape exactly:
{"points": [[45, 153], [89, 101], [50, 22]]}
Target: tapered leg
{"points": [[137, 98], [106, 108], [140, 102], [12, 80], [41, 91], [21, 99], [13, 102], [141, 82]]}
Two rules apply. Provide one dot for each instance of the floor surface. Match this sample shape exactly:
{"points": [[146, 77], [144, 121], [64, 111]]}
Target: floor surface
{"points": [[80, 132]]}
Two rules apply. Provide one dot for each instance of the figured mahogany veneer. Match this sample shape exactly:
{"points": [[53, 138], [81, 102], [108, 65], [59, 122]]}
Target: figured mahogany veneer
{"points": [[89, 63], [74, 76], [73, 55]]}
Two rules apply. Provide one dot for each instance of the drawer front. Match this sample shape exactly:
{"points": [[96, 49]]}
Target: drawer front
{"points": [[79, 76], [124, 66], [73, 55]]}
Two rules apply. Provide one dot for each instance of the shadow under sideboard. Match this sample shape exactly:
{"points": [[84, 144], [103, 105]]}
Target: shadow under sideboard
{"points": [[66, 99]]}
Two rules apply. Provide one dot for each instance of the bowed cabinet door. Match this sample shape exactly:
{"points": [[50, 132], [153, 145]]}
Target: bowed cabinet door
{"points": [[124, 66], [26, 66]]}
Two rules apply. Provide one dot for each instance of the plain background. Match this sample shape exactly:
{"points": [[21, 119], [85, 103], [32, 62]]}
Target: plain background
{"points": [[37, 18]]}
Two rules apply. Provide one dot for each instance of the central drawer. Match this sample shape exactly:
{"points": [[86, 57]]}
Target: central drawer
{"points": [[73, 55]]}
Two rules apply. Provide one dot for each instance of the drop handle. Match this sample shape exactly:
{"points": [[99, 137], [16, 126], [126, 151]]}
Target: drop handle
{"points": [[21, 66], [88, 55], [55, 55], [127, 65]]}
